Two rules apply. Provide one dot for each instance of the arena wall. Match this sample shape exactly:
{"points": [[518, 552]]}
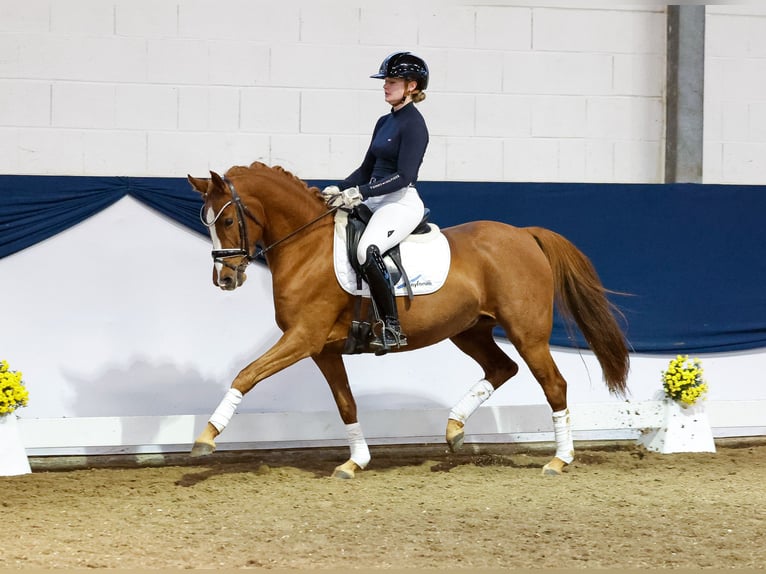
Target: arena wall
{"points": [[522, 91], [519, 92]]}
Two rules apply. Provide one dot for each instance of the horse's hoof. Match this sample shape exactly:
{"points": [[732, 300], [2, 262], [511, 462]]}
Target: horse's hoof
{"points": [[202, 449], [554, 468], [547, 471], [346, 471], [456, 442], [455, 435]]}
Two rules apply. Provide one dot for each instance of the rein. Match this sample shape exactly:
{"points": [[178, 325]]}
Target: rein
{"points": [[220, 255]]}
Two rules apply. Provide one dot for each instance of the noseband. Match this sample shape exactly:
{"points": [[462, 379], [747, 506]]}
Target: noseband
{"points": [[221, 255]]}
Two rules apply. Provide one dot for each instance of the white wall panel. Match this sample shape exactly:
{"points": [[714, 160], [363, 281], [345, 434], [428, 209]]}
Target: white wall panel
{"points": [[639, 75], [142, 107], [316, 116], [82, 18], [151, 67], [638, 119], [264, 21], [388, 24], [130, 18], [83, 105], [44, 149], [599, 160], [599, 31], [346, 153], [572, 160], [506, 116], [451, 25], [548, 73], [97, 156], [504, 28], [270, 110], [165, 67], [210, 109], [25, 104], [235, 63], [559, 117], [465, 154], [449, 114], [735, 90], [637, 159], [473, 71], [32, 16], [303, 155], [530, 159]]}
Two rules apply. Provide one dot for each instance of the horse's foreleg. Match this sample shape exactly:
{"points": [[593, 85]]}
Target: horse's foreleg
{"points": [[290, 348], [334, 371], [205, 442]]}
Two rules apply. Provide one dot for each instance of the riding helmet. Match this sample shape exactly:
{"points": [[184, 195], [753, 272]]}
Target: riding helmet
{"points": [[404, 65]]}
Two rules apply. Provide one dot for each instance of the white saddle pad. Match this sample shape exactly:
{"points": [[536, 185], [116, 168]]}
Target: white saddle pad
{"points": [[426, 258]]}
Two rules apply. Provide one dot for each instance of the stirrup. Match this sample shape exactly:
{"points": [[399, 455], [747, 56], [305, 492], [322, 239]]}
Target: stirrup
{"points": [[390, 338]]}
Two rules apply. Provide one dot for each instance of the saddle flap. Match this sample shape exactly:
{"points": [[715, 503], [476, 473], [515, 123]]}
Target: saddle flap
{"points": [[425, 255]]}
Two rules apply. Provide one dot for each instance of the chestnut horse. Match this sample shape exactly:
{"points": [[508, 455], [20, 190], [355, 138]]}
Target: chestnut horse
{"points": [[499, 275]]}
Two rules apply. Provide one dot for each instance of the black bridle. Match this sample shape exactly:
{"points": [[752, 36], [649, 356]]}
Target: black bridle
{"points": [[222, 255]]}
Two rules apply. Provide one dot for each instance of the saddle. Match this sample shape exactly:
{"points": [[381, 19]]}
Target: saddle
{"points": [[358, 218], [360, 332]]}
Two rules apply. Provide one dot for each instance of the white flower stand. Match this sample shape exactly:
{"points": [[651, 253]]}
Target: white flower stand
{"points": [[13, 457], [684, 429]]}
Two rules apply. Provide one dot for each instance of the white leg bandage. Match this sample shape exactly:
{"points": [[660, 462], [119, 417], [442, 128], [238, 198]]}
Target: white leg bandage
{"points": [[562, 430], [479, 393], [225, 410], [360, 453]]}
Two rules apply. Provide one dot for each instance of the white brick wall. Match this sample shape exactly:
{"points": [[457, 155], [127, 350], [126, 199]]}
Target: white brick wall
{"points": [[735, 94], [530, 92]]}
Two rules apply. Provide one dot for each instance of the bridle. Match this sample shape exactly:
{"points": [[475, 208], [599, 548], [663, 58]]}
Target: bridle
{"points": [[222, 255]]}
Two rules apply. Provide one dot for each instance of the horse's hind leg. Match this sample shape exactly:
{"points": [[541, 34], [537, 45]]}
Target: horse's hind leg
{"points": [[334, 371], [538, 358], [479, 344]]}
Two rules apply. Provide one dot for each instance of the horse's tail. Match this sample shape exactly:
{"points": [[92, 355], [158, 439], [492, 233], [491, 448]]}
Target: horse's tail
{"points": [[582, 300]]}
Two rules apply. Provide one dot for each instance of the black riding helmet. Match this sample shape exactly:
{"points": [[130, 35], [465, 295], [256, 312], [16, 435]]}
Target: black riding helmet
{"points": [[404, 65]]}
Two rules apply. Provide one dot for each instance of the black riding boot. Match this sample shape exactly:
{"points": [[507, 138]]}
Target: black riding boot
{"points": [[382, 292]]}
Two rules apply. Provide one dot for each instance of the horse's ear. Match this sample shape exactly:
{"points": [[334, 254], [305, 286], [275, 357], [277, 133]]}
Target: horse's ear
{"points": [[198, 184], [217, 180]]}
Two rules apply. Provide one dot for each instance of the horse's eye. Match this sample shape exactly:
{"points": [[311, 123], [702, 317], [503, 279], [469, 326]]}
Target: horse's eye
{"points": [[228, 222]]}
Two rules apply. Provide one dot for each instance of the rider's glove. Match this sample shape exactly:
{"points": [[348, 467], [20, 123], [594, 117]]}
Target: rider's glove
{"points": [[348, 198], [330, 191]]}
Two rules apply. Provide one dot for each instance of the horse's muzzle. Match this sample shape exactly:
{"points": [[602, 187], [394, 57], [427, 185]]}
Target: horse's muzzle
{"points": [[229, 280]]}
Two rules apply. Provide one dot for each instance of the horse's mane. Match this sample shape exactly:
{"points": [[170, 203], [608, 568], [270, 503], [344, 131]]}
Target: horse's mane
{"points": [[258, 166]]}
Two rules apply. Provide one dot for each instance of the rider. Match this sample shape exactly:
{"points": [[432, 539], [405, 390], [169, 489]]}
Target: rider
{"points": [[384, 182]]}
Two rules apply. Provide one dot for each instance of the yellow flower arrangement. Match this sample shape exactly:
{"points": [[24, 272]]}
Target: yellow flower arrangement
{"points": [[13, 393], [683, 382]]}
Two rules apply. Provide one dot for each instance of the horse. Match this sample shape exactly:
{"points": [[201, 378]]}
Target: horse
{"points": [[499, 275]]}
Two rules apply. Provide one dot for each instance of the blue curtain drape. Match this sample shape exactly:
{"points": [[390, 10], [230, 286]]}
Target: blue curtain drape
{"points": [[688, 257], [34, 208]]}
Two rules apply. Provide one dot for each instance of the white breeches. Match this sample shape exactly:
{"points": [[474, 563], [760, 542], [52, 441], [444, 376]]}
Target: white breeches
{"points": [[394, 216]]}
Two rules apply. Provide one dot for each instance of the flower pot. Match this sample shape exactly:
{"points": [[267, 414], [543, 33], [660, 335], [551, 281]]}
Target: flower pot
{"points": [[13, 457], [685, 428]]}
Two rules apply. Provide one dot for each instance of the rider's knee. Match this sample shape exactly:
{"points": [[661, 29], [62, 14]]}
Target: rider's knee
{"points": [[365, 252]]}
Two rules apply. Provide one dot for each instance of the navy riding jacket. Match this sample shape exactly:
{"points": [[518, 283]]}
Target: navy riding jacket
{"points": [[396, 151]]}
